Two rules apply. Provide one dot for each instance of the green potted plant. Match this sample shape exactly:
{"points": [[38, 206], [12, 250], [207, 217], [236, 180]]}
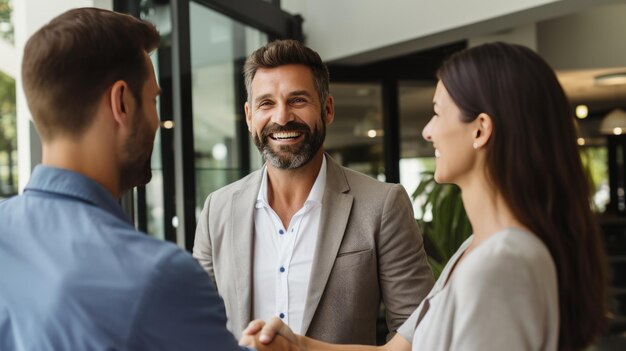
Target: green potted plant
{"points": [[442, 219]]}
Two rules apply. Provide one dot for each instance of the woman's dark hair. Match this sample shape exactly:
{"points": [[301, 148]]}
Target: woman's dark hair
{"points": [[532, 159]]}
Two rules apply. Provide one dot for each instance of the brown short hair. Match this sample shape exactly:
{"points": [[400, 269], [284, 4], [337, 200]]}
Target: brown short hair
{"points": [[70, 62], [287, 52], [533, 161]]}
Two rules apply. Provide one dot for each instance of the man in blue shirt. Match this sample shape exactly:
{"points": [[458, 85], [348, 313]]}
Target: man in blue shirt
{"points": [[74, 273]]}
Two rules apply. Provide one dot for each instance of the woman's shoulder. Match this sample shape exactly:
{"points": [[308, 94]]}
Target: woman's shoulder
{"points": [[509, 255]]}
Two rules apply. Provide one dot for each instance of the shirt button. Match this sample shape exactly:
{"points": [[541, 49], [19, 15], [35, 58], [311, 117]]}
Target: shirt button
{"points": [[282, 315], [282, 269], [281, 232]]}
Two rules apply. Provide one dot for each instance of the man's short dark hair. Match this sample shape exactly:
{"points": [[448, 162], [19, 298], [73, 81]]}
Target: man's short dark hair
{"points": [[70, 62], [286, 52]]}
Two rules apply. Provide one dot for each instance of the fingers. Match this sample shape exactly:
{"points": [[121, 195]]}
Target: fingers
{"points": [[247, 340], [254, 327], [271, 328], [279, 343], [265, 333]]}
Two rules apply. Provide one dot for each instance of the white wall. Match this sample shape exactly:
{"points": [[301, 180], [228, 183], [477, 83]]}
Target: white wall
{"points": [[593, 38], [8, 58], [523, 35], [28, 17], [359, 31]]}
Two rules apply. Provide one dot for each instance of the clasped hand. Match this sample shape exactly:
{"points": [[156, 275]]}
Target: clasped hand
{"points": [[271, 336]]}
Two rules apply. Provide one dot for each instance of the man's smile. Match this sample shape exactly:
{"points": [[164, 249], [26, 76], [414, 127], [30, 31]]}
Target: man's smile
{"points": [[280, 136]]}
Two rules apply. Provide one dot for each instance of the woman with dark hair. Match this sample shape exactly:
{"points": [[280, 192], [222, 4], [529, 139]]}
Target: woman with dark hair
{"points": [[532, 275]]}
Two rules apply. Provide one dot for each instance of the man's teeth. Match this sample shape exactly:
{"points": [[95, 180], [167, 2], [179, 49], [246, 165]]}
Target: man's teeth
{"points": [[286, 135], [437, 153]]}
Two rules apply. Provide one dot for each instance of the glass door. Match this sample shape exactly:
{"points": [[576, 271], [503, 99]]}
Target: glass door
{"points": [[203, 142], [219, 47], [355, 138]]}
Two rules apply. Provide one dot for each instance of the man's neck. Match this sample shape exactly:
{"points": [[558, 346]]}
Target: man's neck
{"points": [[74, 156], [287, 190]]}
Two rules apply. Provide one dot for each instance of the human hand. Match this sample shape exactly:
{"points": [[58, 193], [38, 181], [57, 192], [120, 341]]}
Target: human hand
{"points": [[266, 332], [253, 327], [278, 343]]}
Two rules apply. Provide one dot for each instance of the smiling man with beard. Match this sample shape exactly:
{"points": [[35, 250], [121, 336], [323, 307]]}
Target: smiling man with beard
{"points": [[305, 239]]}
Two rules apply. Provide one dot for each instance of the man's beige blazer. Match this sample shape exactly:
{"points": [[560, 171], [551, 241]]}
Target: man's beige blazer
{"points": [[369, 248]]}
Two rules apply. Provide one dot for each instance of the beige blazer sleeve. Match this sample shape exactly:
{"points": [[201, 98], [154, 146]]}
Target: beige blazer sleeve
{"points": [[202, 242], [404, 274], [370, 249]]}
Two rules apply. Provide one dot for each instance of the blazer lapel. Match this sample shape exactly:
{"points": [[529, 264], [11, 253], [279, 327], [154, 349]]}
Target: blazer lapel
{"points": [[336, 207], [242, 241]]}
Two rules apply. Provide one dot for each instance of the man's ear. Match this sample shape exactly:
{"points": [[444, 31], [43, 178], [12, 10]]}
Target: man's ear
{"points": [[483, 130], [122, 102], [329, 106], [246, 108]]}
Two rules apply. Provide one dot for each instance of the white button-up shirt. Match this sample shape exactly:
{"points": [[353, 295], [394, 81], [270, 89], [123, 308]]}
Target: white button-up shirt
{"points": [[283, 256]]}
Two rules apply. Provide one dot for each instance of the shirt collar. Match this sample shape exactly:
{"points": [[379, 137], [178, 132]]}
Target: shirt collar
{"points": [[315, 195], [72, 184]]}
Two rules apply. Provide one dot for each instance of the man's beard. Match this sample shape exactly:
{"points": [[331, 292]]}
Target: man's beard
{"points": [[290, 156], [138, 151]]}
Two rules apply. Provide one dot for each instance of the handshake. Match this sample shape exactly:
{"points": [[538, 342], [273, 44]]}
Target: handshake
{"points": [[271, 336]]}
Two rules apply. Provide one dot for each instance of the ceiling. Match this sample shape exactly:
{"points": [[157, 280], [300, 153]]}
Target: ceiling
{"points": [[580, 87]]}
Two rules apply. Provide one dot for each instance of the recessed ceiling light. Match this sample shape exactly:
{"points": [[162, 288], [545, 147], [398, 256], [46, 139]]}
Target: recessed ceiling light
{"points": [[614, 122], [363, 92], [167, 124], [617, 78], [582, 111]]}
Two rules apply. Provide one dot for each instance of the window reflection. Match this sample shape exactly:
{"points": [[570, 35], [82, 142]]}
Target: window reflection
{"points": [[355, 138], [416, 154], [219, 46]]}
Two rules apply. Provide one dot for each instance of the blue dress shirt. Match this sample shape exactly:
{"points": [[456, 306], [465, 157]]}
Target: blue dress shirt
{"points": [[76, 275]]}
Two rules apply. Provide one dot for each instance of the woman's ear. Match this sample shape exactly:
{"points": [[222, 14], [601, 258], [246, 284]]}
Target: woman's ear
{"points": [[483, 130]]}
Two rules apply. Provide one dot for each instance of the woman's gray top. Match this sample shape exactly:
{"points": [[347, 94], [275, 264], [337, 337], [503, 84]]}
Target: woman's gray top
{"points": [[503, 296]]}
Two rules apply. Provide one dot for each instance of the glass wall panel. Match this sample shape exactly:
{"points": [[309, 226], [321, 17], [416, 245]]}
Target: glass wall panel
{"points": [[219, 46], [355, 138], [256, 159], [8, 123], [595, 162], [154, 194], [158, 14], [416, 154], [8, 138], [6, 21]]}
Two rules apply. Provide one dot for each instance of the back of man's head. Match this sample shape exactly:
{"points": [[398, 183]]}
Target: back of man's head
{"points": [[73, 60], [287, 52]]}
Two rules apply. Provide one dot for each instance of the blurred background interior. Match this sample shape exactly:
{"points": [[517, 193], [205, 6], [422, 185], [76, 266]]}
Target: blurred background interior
{"points": [[382, 57]]}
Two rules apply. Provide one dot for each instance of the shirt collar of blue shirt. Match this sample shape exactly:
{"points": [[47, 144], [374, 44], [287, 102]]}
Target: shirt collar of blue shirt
{"points": [[315, 195], [68, 183]]}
